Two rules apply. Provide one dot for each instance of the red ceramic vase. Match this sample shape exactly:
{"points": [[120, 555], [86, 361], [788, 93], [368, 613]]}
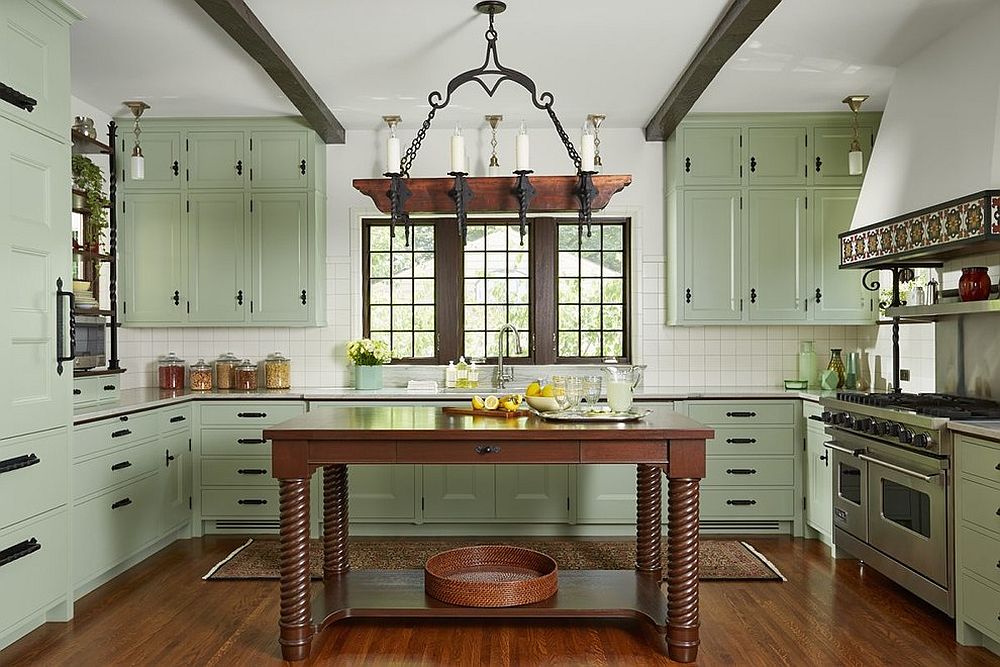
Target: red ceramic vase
{"points": [[974, 285]]}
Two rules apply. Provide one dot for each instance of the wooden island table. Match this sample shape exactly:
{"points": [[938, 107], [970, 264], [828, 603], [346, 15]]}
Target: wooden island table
{"points": [[334, 439]]}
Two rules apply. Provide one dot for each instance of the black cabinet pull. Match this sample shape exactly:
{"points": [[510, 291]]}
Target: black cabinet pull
{"points": [[251, 441], [121, 433], [178, 418], [824, 458], [109, 387], [819, 295], [742, 503], [19, 550], [239, 167], [687, 165], [122, 465], [741, 471], [77, 392], [741, 414], [741, 441], [123, 418], [998, 467], [303, 297], [176, 297], [687, 295], [487, 449], [176, 167], [819, 164], [60, 358], [816, 418], [169, 458], [18, 462], [252, 471], [302, 167], [18, 99], [753, 164], [239, 298], [124, 502], [753, 295], [251, 415], [251, 501]]}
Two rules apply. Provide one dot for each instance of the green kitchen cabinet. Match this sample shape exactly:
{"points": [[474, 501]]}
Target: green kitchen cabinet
{"points": [[175, 479], [532, 493], [711, 156], [835, 296], [606, 494], [459, 492], [216, 257], [776, 156], [831, 144], [280, 159], [154, 288], [777, 256], [216, 159], [279, 258], [818, 476], [382, 492], [712, 247], [164, 168]]}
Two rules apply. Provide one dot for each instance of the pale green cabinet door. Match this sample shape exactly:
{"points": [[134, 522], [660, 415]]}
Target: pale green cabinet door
{"points": [[532, 493], [279, 256], [819, 482], [711, 156], [835, 295], [831, 144], [164, 168], [34, 254], [217, 287], [381, 492], [712, 265], [151, 260], [777, 155], [605, 493], [777, 262], [459, 492], [216, 160], [175, 480], [280, 159]]}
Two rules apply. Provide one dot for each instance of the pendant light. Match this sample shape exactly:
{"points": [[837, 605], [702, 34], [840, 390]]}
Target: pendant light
{"points": [[494, 168], [596, 119], [137, 165], [855, 159]]}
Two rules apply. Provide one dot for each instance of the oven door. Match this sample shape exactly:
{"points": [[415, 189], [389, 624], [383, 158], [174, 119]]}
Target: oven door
{"points": [[908, 517], [850, 487]]}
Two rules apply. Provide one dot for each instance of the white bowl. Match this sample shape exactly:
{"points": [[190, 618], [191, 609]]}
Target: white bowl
{"points": [[543, 403]]}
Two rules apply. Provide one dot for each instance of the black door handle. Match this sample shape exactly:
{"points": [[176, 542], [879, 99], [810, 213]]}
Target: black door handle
{"points": [[77, 392], [303, 297], [251, 441], [109, 387], [176, 168], [753, 164], [124, 502], [819, 295], [687, 164], [252, 471], [178, 418], [19, 550], [819, 164], [60, 357], [487, 449], [741, 502], [239, 167], [239, 297], [741, 441], [169, 458], [121, 433], [741, 414], [687, 295], [18, 462], [251, 415], [741, 471], [177, 297], [753, 295], [824, 458], [302, 167], [251, 501], [122, 465]]}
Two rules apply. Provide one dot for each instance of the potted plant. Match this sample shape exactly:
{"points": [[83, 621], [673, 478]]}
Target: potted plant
{"points": [[368, 355], [88, 177]]}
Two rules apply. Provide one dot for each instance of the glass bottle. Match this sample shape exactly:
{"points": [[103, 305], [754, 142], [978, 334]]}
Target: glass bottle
{"points": [[170, 370], [277, 371], [807, 362], [225, 369], [245, 376], [462, 374], [837, 364], [201, 376]]}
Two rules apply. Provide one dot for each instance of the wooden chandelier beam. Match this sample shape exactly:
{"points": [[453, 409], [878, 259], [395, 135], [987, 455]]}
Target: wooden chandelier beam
{"points": [[733, 29], [240, 23]]}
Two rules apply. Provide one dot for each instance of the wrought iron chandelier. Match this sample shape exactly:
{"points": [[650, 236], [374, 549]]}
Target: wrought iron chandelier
{"points": [[489, 76]]}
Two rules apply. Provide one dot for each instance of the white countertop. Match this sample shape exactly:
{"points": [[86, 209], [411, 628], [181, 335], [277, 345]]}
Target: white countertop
{"points": [[983, 429]]}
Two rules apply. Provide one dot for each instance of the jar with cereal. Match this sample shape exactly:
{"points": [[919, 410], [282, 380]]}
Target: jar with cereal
{"points": [[201, 376], [277, 371], [170, 370], [225, 370], [245, 377]]}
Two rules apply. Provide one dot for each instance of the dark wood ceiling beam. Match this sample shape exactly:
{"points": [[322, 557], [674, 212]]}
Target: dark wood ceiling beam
{"points": [[733, 29], [245, 28]]}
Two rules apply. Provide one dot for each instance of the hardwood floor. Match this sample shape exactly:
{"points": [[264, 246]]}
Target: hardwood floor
{"points": [[828, 613]]}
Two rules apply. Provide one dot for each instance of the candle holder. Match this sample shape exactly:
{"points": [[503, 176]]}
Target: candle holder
{"points": [[398, 194], [525, 192], [461, 194], [585, 192]]}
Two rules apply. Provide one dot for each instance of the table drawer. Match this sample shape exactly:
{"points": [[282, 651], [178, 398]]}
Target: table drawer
{"points": [[234, 442], [251, 413], [980, 505], [175, 419], [38, 578], [233, 472], [979, 459], [980, 554], [742, 412], [35, 474], [90, 390], [255, 502], [744, 441], [747, 502], [981, 605], [113, 433], [117, 467], [488, 452], [727, 471]]}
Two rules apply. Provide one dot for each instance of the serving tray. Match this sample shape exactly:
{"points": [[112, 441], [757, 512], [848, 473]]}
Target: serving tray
{"points": [[597, 416]]}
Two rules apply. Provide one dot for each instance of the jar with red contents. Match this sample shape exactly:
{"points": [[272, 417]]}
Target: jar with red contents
{"points": [[170, 370], [974, 285]]}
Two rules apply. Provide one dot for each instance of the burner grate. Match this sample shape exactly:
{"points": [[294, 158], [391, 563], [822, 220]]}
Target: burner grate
{"points": [[930, 404]]}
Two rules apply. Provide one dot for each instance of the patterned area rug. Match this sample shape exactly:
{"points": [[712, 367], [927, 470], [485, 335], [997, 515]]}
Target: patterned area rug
{"points": [[719, 559]]}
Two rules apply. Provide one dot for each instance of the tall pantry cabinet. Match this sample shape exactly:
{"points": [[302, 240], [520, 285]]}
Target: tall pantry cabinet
{"points": [[35, 398]]}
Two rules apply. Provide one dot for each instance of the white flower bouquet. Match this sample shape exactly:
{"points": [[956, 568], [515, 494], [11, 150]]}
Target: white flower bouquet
{"points": [[368, 352]]}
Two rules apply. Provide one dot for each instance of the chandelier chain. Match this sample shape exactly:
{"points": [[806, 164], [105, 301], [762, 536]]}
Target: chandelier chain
{"points": [[411, 152], [570, 150]]}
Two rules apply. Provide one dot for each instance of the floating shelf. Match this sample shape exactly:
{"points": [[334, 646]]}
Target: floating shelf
{"points": [[84, 145], [83, 311], [87, 254], [951, 309], [92, 372]]}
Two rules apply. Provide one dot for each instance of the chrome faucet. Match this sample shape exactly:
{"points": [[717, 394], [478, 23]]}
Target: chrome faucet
{"points": [[504, 374]]}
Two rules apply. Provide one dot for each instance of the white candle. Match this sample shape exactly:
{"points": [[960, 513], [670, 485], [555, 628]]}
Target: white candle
{"points": [[587, 152], [392, 155], [458, 151], [521, 162]]}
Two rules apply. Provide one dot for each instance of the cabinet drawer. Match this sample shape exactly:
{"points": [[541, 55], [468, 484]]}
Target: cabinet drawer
{"points": [[175, 419], [979, 459], [747, 502], [749, 472], [981, 605], [251, 413], [233, 472], [742, 412], [980, 554], [115, 467], [35, 477], [751, 440], [32, 582], [113, 526], [980, 505], [113, 433], [488, 452], [239, 502], [234, 442], [101, 389]]}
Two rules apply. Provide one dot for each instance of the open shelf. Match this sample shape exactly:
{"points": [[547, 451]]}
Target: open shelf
{"points": [[949, 309], [87, 254], [83, 145], [83, 311], [91, 372]]}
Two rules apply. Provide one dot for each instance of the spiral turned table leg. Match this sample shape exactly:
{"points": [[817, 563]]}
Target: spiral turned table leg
{"points": [[335, 555], [296, 616], [647, 525], [682, 569]]}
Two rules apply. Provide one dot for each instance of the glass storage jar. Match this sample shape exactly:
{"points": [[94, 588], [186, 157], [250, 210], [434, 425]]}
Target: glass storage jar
{"points": [[245, 376], [201, 376], [170, 370], [225, 370], [277, 371]]}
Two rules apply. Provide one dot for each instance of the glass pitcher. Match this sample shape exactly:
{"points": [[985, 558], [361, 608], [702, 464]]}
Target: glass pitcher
{"points": [[622, 381]]}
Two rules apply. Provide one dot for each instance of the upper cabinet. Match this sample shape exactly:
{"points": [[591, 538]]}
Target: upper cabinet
{"points": [[161, 156], [280, 160], [829, 165], [712, 156], [777, 156], [215, 159]]}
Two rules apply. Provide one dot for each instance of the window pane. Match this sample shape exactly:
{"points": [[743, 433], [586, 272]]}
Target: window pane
{"points": [[496, 290], [518, 290], [590, 264], [475, 317], [518, 316], [379, 291], [613, 264], [612, 344], [496, 317], [592, 242], [475, 264], [380, 318], [402, 344], [423, 291], [569, 344], [378, 265], [613, 317], [590, 317], [423, 318], [517, 264], [378, 238], [569, 317], [402, 265], [569, 264], [590, 290], [569, 290], [423, 238], [590, 344], [402, 291], [496, 237], [612, 237], [475, 344], [402, 318], [423, 344], [423, 264], [568, 237], [613, 290], [496, 264]]}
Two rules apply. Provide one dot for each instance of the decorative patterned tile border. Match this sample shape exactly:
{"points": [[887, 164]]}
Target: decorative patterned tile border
{"points": [[962, 220]]}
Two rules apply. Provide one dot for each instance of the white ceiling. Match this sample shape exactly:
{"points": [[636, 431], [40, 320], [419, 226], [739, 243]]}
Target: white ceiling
{"points": [[370, 58]]}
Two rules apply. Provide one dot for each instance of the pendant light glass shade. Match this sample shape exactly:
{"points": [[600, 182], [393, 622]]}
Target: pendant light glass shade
{"points": [[855, 163], [137, 165]]}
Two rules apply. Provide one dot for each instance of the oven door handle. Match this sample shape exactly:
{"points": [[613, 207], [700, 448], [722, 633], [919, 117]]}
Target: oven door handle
{"points": [[905, 471], [843, 450]]}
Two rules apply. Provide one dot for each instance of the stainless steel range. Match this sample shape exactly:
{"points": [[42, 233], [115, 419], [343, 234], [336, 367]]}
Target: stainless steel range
{"points": [[893, 502]]}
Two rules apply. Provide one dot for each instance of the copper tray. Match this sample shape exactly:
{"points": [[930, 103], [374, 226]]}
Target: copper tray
{"points": [[491, 575]]}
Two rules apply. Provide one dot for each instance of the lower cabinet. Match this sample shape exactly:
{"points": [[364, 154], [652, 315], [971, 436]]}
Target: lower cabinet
{"points": [[818, 476], [33, 574], [522, 493]]}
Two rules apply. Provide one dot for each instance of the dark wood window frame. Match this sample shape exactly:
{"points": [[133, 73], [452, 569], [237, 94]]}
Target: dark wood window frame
{"points": [[543, 249]]}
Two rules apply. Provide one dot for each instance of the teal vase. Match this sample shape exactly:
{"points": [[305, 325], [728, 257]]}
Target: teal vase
{"points": [[367, 377]]}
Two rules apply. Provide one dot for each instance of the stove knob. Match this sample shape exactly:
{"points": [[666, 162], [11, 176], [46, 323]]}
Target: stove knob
{"points": [[827, 417], [923, 440], [892, 429], [905, 436], [848, 422], [880, 428], [838, 418], [865, 425]]}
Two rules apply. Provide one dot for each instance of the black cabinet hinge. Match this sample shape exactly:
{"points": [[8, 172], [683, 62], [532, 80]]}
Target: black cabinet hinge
{"points": [[251, 143], [251, 306], [567, 503], [251, 206], [421, 504], [190, 503], [189, 444], [187, 174], [803, 502], [189, 206], [807, 141], [124, 307], [189, 307], [187, 146], [741, 140], [741, 200], [807, 201]]}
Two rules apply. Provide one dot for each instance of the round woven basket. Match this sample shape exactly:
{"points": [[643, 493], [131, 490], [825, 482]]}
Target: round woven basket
{"points": [[491, 575]]}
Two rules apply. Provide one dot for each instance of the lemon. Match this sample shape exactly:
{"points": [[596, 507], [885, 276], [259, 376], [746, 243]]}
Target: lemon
{"points": [[548, 391], [491, 402], [534, 389], [509, 405], [478, 403]]}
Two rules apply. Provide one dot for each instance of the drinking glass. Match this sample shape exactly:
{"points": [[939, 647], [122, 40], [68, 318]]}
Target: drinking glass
{"points": [[574, 392], [592, 389], [559, 391]]}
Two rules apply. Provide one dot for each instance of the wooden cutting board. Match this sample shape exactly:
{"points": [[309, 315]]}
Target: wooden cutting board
{"points": [[484, 412]]}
